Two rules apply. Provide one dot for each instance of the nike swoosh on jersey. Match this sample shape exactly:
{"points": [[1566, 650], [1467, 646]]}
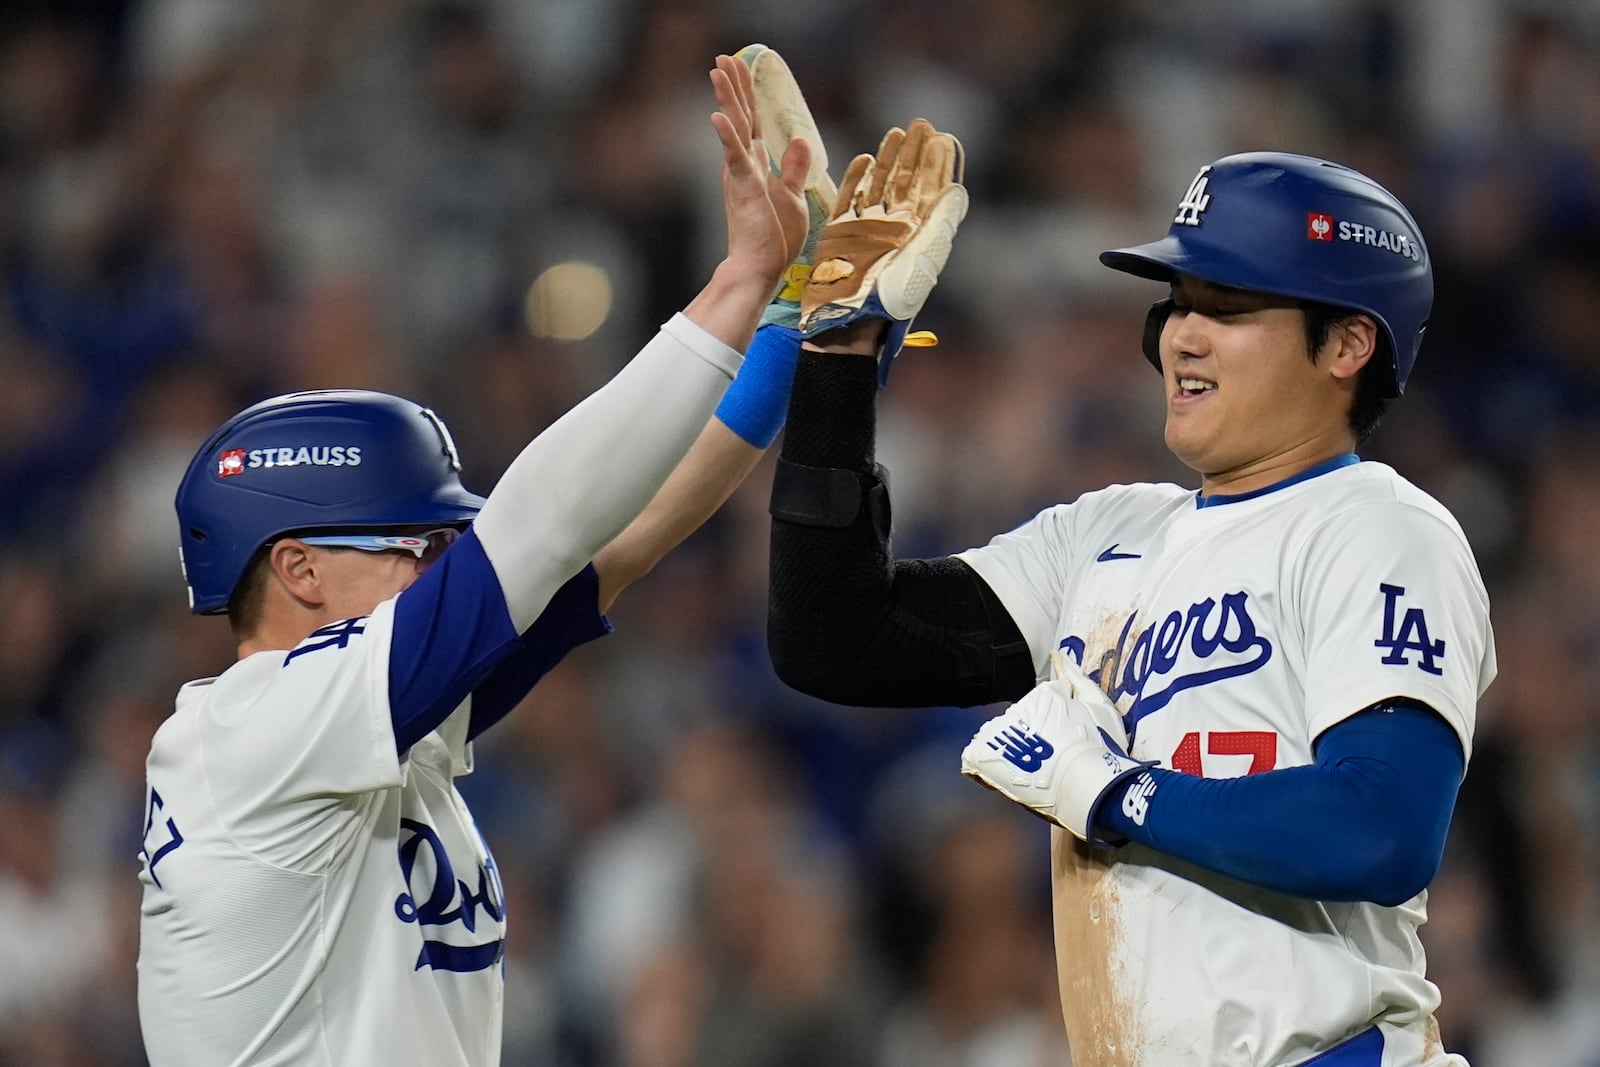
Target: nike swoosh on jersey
{"points": [[1111, 553]]}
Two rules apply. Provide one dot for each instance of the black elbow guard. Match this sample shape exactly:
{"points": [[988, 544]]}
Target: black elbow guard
{"points": [[830, 497]]}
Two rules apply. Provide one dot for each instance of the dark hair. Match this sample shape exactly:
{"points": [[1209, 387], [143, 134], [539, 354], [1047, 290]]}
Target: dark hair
{"points": [[247, 598], [1373, 380]]}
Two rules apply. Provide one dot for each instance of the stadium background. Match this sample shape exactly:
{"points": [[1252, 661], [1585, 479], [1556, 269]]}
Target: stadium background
{"points": [[488, 207]]}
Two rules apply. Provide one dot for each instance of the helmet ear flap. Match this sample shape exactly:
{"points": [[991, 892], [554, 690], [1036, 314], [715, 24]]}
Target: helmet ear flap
{"points": [[1155, 320]]}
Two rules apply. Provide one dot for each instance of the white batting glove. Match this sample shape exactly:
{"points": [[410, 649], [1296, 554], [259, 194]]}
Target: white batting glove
{"points": [[1057, 752], [785, 116]]}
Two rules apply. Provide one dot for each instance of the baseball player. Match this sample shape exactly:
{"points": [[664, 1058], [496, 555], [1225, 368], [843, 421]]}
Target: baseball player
{"points": [[1247, 709], [314, 889]]}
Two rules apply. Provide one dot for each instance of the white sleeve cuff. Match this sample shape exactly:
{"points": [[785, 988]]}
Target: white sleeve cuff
{"points": [[691, 335]]}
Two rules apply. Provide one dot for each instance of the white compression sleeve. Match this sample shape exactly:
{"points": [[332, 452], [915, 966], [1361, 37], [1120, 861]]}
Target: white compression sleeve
{"points": [[581, 481]]}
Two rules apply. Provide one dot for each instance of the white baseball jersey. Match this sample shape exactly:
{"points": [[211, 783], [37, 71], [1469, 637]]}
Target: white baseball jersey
{"points": [[309, 897], [1231, 635]]}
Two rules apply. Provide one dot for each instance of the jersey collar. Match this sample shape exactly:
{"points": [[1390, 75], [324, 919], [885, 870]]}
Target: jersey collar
{"points": [[1218, 499]]}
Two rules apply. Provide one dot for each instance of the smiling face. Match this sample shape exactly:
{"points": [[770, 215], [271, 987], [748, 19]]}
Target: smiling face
{"points": [[1246, 405]]}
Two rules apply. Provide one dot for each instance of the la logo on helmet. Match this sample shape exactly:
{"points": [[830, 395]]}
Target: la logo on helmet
{"points": [[1195, 201]]}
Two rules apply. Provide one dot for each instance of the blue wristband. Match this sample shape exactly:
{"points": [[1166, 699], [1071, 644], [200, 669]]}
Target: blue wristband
{"points": [[757, 402]]}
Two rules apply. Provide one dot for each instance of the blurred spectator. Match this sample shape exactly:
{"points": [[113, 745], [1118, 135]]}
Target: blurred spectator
{"points": [[202, 204]]}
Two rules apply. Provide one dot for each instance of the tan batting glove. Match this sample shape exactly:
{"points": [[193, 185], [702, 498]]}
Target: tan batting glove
{"points": [[890, 236]]}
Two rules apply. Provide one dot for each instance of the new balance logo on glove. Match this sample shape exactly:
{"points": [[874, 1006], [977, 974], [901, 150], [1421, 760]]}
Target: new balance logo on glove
{"points": [[1057, 752], [1025, 750]]}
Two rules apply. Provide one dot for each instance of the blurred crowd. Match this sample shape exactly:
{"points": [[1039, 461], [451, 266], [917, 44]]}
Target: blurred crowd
{"points": [[205, 203]]}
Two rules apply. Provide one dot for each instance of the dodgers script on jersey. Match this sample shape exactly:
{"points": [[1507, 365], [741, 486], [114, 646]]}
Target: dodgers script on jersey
{"points": [[1231, 635], [375, 925]]}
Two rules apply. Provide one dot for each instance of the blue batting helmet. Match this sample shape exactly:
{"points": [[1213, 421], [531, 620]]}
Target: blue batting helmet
{"points": [[1305, 228], [335, 459]]}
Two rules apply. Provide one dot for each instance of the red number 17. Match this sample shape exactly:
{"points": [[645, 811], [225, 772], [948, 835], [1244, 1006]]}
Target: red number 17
{"points": [[1260, 745]]}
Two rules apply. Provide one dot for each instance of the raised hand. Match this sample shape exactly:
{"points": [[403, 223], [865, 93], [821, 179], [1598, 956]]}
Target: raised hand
{"points": [[767, 212], [784, 115], [890, 235]]}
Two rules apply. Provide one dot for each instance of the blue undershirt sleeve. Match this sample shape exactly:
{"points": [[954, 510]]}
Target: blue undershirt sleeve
{"points": [[572, 618], [453, 636], [1366, 822]]}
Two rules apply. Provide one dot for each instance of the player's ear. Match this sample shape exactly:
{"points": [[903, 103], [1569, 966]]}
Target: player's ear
{"points": [[1353, 343], [294, 569]]}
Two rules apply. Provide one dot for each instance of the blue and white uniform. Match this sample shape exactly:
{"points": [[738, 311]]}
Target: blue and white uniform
{"points": [[304, 878], [1231, 632], [316, 892]]}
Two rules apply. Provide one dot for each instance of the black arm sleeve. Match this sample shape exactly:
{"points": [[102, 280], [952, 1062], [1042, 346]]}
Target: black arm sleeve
{"points": [[846, 622]]}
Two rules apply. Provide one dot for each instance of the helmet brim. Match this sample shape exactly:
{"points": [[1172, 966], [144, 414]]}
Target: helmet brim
{"points": [[1152, 261]]}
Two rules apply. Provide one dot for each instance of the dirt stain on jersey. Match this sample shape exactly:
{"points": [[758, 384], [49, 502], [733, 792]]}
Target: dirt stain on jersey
{"points": [[1432, 1043], [1102, 652], [1087, 914]]}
